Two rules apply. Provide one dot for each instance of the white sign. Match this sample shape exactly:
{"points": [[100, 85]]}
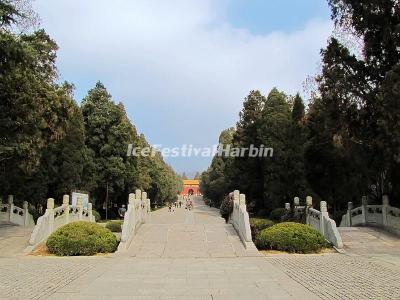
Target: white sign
{"points": [[83, 196]]}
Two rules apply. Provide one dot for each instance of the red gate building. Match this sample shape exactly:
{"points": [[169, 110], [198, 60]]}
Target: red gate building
{"points": [[191, 187]]}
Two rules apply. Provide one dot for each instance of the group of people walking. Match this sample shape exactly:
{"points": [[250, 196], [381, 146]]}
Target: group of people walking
{"points": [[178, 204]]}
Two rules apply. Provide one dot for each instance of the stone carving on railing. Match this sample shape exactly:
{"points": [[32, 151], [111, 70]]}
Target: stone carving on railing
{"points": [[136, 214], [239, 218], [54, 218], [19, 216], [384, 215], [320, 220]]}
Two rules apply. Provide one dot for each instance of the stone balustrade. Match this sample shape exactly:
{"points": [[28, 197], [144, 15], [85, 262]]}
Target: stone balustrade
{"points": [[54, 218], [13, 214], [239, 218], [319, 220], [385, 216], [137, 214]]}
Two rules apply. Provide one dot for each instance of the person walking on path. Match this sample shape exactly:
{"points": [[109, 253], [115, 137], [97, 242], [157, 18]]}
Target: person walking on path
{"points": [[122, 211]]}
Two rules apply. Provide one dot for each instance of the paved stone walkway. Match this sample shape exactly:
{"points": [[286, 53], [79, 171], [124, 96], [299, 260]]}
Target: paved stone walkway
{"points": [[369, 241], [200, 232], [13, 239]]}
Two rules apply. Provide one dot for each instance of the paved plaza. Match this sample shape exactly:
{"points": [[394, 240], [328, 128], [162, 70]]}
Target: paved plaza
{"points": [[195, 255]]}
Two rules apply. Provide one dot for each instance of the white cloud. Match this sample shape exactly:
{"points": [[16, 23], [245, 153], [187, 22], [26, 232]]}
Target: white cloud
{"points": [[177, 63]]}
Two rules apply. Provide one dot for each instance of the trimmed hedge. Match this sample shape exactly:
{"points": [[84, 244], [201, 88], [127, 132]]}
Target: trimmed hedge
{"points": [[81, 238], [277, 214], [258, 224], [115, 226], [291, 237]]}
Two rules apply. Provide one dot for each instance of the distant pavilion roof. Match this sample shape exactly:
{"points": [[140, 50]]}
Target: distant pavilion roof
{"points": [[191, 182]]}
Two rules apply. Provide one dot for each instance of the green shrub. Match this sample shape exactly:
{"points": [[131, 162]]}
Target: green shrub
{"points": [[258, 224], [291, 237], [96, 215], [114, 226], [226, 208], [277, 214], [81, 238]]}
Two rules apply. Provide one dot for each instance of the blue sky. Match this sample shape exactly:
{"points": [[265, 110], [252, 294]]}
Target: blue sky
{"points": [[183, 67]]}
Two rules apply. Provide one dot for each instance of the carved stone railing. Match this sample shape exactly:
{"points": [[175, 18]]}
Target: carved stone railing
{"points": [[385, 216], [319, 220], [239, 218], [54, 218], [16, 215], [135, 216]]}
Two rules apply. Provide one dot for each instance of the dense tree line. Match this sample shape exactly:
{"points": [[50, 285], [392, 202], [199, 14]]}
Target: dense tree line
{"points": [[49, 145], [346, 144]]}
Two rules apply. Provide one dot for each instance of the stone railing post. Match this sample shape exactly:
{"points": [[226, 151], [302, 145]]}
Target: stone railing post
{"points": [[10, 201], [236, 203], [308, 206], [324, 215], [50, 213], [143, 206], [364, 208], [25, 206], [236, 196], [296, 202], [131, 200], [348, 216], [138, 201], [242, 200], [287, 206], [90, 212], [66, 208], [79, 204], [385, 207]]}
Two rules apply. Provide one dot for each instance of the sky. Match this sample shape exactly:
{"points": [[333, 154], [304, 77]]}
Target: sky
{"points": [[182, 68]]}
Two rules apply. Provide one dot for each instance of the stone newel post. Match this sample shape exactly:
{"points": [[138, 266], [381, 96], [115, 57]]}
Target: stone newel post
{"points": [[324, 214], [236, 196], [138, 194], [242, 200], [364, 204], [308, 206], [296, 201], [25, 206], [144, 197], [143, 206], [90, 212], [66, 208], [50, 212], [349, 209], [79, 204], [385, 206]]}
